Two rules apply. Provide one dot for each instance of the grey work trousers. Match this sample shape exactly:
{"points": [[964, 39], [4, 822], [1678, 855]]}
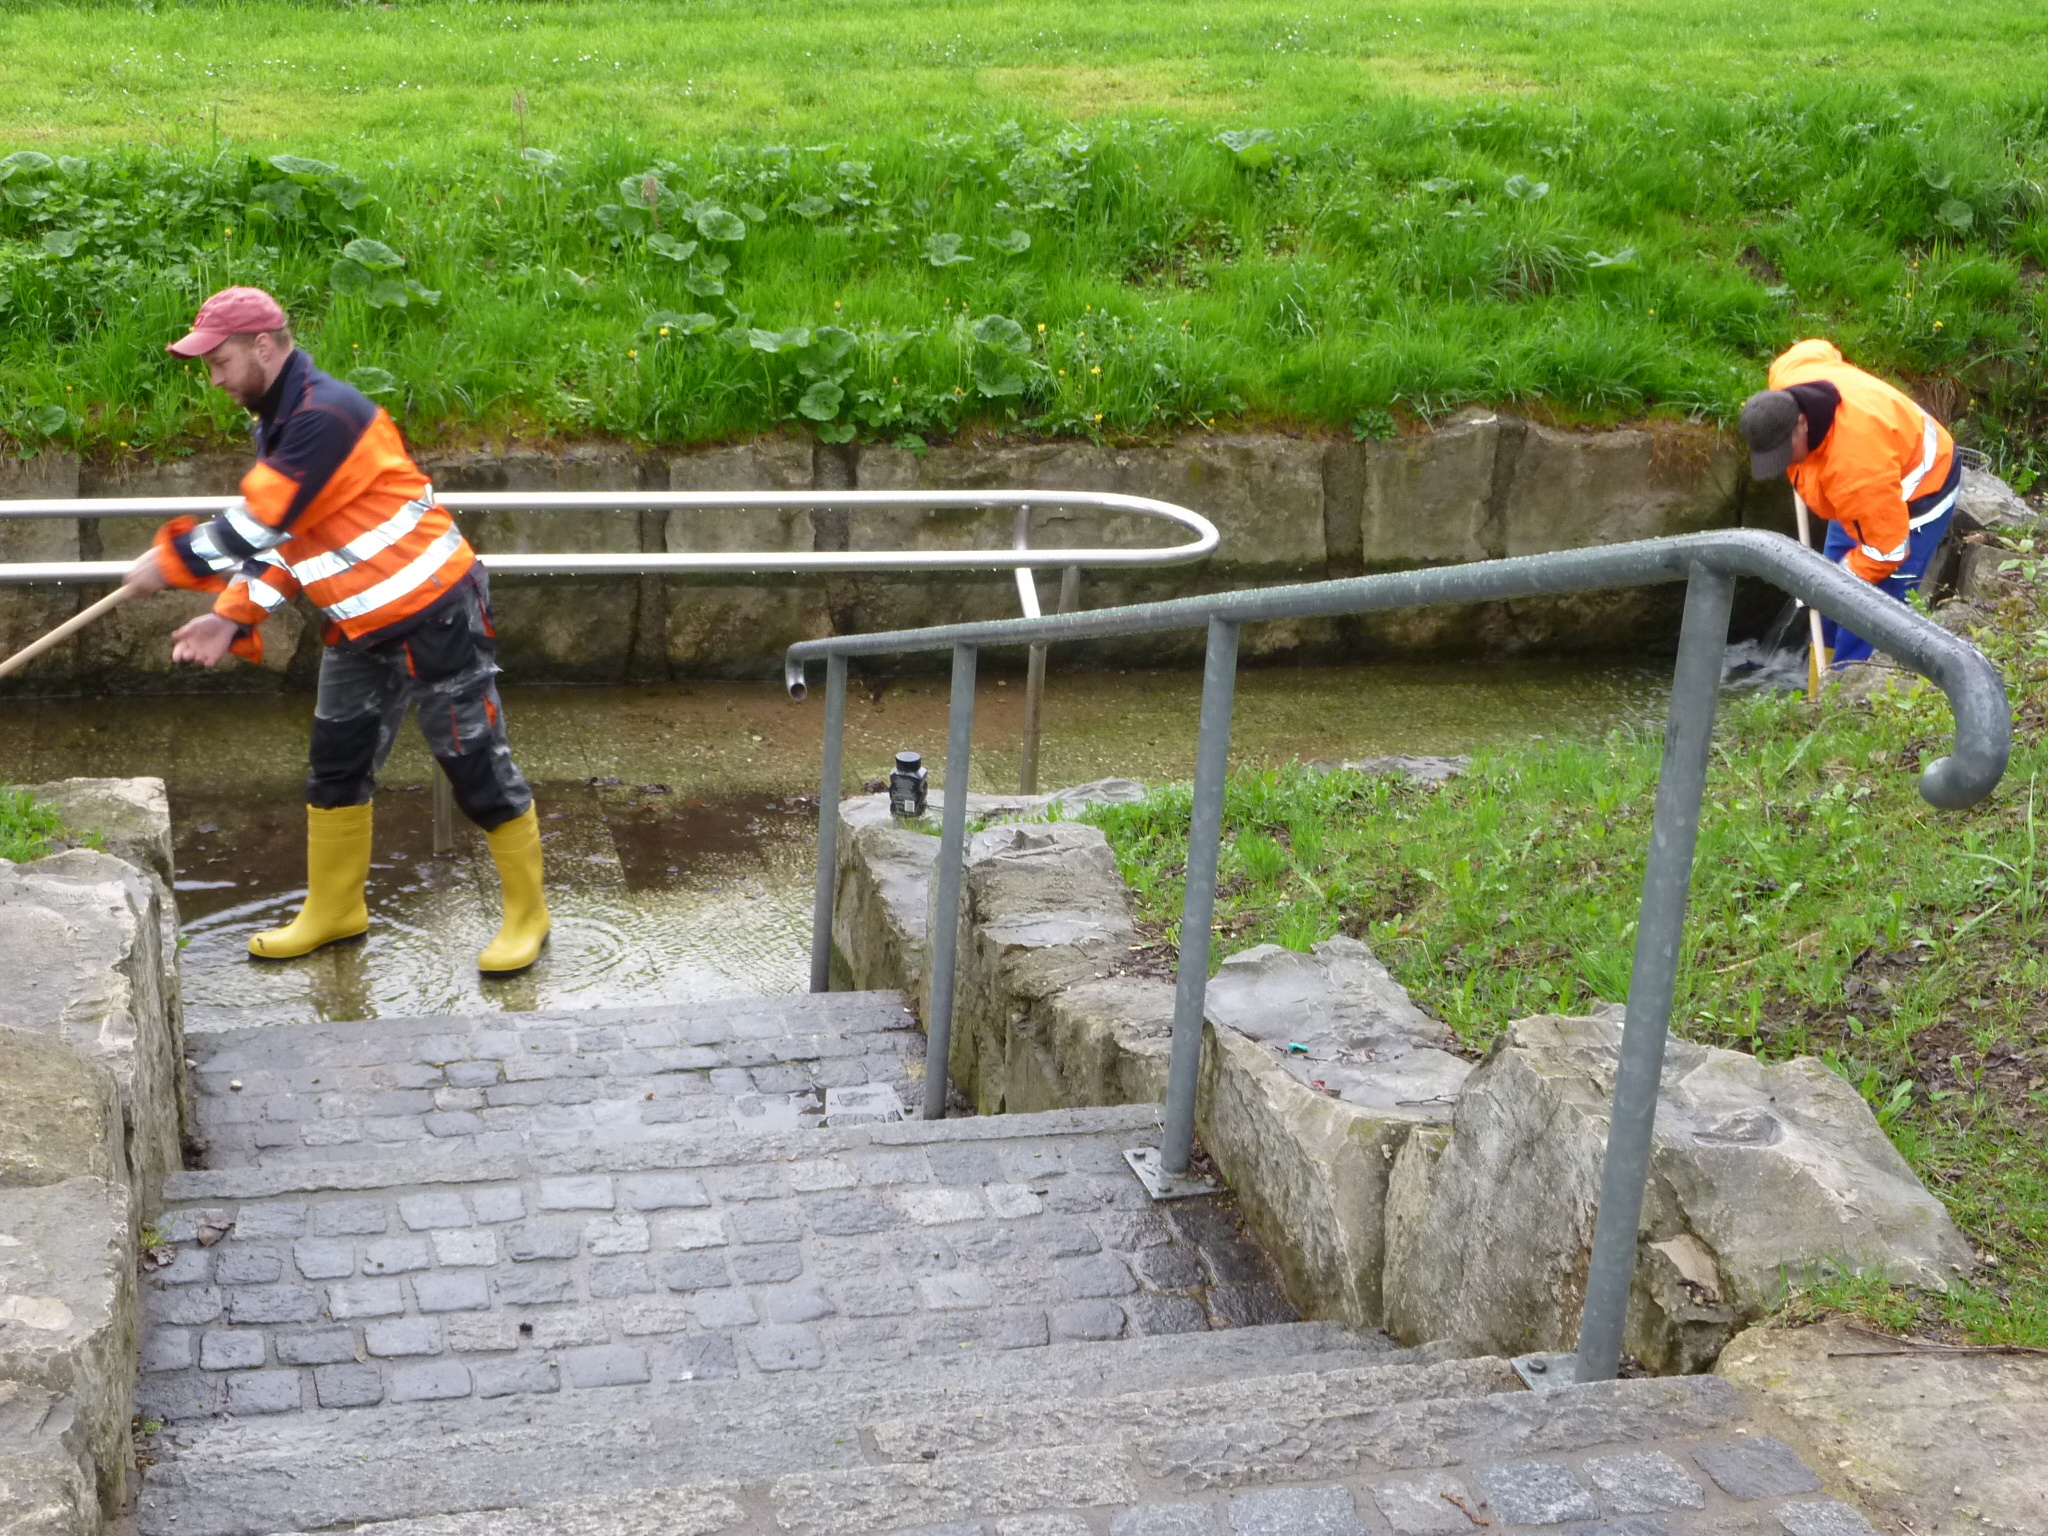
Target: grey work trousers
{"points": [[448, 666]]}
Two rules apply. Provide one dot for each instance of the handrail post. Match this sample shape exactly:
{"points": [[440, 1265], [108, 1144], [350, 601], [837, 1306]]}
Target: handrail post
{"points": [[1660, 939], [938, 1022], [1198, 906], [828, 823], [1034, 686]]}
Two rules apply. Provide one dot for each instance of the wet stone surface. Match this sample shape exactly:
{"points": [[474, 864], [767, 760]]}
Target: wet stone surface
{"points": [[537, 1083], [588, 1282]]}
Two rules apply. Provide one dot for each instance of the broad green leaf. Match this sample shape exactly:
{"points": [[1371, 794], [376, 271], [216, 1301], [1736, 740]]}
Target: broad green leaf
{"points": [[49, 419], [1015, 243], [540, 157], [28, 160], [61, 242], [944, 250], [299, 165], [421, 293], [821, 401], [839, 432], [812, 207], [350, 279], [373, 381], [1957, 215], [374, 254], [715, 223], [693, 324], [1625, 257], [754, 213], [831, 345], [1438, 184], [1254, 147], [1002, 332], [704, 285], [764, 341], [671, 247], [1523, 190], [387, 293], [993, 378], [73, 166], [26, 197]]}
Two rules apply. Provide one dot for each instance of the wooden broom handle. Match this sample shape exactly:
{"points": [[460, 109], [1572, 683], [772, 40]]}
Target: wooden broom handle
{"points": [[67, 629]]}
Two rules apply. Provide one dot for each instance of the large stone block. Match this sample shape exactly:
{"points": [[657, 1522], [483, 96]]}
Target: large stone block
{"points": [[1937, 1442], [130, 817], [581, 628], [1761, 1176], [44, 1489], [1042, 907], [68, 1322], [1317, 1068], [879, 909], [1429, 499], [60, 1116], [81, 939], [737, 624], [1569, 490]]}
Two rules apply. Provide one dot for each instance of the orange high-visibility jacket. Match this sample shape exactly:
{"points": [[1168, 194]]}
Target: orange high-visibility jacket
{"points": [[1880, 452], [335, 507]]}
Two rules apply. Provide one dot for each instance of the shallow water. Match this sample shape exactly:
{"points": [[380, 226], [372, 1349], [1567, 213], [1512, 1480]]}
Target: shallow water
{"points": [[679, 822]]}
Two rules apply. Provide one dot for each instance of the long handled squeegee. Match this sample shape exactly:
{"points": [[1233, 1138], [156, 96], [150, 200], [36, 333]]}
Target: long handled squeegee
{"points": [[67, 629]]}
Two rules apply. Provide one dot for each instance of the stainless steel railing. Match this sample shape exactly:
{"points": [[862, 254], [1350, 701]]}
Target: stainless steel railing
{"points": [[1021, 556], [1708, 563]]}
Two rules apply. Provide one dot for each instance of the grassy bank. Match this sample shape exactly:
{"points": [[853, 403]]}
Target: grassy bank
{"points": [[27, 830], [1833, 914], [689, 222]]}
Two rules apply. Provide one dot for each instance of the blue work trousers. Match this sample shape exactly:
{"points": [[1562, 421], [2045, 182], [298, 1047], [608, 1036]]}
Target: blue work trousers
{"points": [[1847, 647]]}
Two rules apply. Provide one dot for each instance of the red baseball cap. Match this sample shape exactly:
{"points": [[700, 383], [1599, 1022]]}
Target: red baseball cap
{"points": [[231, 312]]}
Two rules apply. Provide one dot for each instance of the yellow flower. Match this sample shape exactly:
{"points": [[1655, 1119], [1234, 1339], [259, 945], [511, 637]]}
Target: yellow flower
{"points": [[1063, 373], [1098, 416], [633, 354], [1937, 325], [664, 330], [124, 445], [836, 304], [1096, 370], [1041, 327], [355, 346], [1087, 309]]}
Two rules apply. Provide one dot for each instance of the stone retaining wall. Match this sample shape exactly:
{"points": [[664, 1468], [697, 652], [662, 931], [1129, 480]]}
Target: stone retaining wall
{"points": [[1396, 1183], [1289, 509], [92, 1118]]}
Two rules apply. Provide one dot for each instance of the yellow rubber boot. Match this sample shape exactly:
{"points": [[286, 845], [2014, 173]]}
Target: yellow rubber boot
{"points": [[337, 864], [515, 849]]}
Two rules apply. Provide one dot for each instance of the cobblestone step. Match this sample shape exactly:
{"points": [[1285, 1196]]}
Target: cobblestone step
{"points": [[308, 1315], [498, 1083], [1631, 1458]]}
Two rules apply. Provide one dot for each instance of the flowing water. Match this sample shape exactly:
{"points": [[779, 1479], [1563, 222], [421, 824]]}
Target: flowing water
{"points": [[679, 821]]}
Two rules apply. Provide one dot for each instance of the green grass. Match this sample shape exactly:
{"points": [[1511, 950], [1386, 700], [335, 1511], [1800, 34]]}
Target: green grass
{"points": [[1588, 210], [27, 830], [1833, 914]]}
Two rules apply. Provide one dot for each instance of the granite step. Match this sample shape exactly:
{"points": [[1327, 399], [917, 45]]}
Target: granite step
{"points": [[1626, 1458], [512, 1083]]}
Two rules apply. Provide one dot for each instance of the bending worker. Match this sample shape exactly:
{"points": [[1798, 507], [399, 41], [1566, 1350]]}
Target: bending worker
{"points": [[1881, 470], [336, 508]]}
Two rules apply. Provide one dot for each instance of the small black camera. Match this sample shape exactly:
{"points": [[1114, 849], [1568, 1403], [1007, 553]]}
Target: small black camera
{"points": [[908, 785]]}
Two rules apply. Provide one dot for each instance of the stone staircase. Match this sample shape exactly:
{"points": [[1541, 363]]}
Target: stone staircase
{"points": [[686, 1270]]}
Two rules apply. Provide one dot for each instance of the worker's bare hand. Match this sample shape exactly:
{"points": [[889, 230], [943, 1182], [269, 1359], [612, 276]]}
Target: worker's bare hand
{"points": [[145, 575], [204, 641]]}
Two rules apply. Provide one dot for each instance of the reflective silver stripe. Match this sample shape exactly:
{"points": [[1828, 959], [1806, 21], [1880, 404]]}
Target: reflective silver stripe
{"points": [[1930, 447], [391, 588], [272, 557], [1878, 554], [1939, 508], [206, 548], [262, 593], [363, 547], [256, 535]]}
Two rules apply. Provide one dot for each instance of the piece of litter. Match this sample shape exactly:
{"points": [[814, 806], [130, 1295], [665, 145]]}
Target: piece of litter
{"points": [[1296, 1048]]}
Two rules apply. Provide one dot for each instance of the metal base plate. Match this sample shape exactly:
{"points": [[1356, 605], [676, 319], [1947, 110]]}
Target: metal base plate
{"points": [[1161, 1185], [1546, 1373]]}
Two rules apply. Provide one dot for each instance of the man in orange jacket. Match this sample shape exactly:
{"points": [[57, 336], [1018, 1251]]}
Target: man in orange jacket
{"points": [[1861, 454], [335, 508]]}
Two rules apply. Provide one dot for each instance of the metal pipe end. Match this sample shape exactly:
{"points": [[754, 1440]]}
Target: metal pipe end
{"points": [[793, 676], [1950, 786]]}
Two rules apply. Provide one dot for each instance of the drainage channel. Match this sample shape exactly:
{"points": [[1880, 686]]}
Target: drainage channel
{"points": [[679, 821]]}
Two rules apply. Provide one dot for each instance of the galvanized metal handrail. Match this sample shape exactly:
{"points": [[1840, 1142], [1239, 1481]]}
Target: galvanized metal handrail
{"points": [[1018, 556], [1708, 563]]}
